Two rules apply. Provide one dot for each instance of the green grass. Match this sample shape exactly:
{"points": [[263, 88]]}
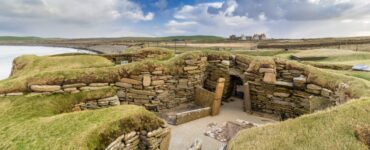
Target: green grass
{"points": [[46, 122], [329, 129], [16, 38]]}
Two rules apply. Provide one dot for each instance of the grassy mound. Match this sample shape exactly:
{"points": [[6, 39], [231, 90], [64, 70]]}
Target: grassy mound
{"points": [[45, 122], [329, 129]]}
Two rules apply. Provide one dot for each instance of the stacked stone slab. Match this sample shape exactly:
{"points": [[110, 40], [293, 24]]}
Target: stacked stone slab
{"points": [[96, 104], [142, 140]]}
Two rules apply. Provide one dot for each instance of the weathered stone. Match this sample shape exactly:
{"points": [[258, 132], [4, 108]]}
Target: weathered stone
{"points": [[313, 87], [281, 94], [121, 93], [88, 88], [146, 80], [190, 62], [155, 132], [157, 82], [188, 68], [73, 89], [98, 84], [299, 81], [149, 93], [130, 81], [282, 83], [2, 95], [203, 59], [76, 85], [45, 88], [129, 135], [226, 62], [14, 94], [326, 92], [157, 72], [123, 85], [116, 143], [269, 77], [266, 70]]}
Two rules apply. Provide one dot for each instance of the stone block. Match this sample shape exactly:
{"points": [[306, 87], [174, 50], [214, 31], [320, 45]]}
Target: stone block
{"points": [[157, 82], [73, 89], [299, 81], [121, 93], [326, 92], [146, 80], [269, 77], [130, 81], [313, 87], [149, 93], [45, 88], [281, 94], [284, 84], [88, 88], [76, 85], [2, 95], [157, 72], [123, 85], [98, 84], [266, 70], [14, 94], [226, 62], [189, 68]]}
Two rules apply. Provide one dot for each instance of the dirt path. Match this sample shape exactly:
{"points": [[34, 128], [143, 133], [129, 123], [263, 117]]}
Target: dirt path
{"points": [[183, 136]]}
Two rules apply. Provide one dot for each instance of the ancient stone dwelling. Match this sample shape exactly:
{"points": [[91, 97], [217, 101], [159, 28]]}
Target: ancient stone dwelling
{"points": [[282, 88]]}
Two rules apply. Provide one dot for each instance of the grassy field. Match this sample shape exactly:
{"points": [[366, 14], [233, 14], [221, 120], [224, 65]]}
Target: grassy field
{"points": [[329, 129], [46, 122]]}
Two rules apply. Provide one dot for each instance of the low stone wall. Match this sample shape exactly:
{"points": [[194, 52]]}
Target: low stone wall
{"points": [[158, 139], [97, 104], [187, 116]]}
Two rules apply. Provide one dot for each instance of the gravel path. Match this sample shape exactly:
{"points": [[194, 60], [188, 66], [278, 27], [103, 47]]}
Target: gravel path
{"points": [[183, 136]]}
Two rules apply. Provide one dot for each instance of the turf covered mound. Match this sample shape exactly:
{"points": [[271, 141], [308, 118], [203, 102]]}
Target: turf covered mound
{"points": [[329, 129], [46, 122]]}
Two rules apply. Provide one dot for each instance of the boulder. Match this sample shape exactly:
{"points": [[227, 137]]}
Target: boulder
{"points": [[45, 88]]}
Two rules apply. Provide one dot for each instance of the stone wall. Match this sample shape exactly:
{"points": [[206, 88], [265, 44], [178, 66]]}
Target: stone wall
{"points": [[153, 140], [191, 115]]}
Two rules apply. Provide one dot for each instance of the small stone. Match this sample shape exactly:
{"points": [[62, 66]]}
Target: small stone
{"points": [[269, 77], [2, 95], [88, 88], [98, 84], [123, 85], [299, 81], [266, 70], [121, 93], [130, 81], [129, 135], [326, 92], [157, 72], [146, 80], [226, 62], [77, 85], [188, 68], [313, 87], [14, 94], [70, 89], [281, 94], [203, 59], [157, 82], [45, 88], [282, 83]]}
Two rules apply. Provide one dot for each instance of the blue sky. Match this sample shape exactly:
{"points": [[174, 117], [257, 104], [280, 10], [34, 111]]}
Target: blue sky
{"points": [[121, 18]]}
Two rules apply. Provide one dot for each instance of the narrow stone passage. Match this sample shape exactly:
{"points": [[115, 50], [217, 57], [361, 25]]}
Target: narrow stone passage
{"points": [[183, 136]]}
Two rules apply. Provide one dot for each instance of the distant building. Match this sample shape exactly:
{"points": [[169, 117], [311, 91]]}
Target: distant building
{"points": [[248, 38]]}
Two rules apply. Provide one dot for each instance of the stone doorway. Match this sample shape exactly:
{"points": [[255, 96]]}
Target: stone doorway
{"points": [[236, 87]]}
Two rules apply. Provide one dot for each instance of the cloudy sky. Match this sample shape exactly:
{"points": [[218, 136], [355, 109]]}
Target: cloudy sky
{"points": [[119, 18]]}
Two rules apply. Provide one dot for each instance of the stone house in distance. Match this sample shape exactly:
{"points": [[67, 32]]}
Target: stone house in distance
{"points": [[248, 38]]}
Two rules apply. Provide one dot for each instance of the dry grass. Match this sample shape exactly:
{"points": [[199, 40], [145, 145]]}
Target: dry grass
{"points": [[329, 129], [45, 122]]}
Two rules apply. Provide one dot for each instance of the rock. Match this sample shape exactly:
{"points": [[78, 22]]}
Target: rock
{"points": [[313, 87], [266, 70], [197, 145], [73, 89], [129, 135], [282, 83], [299, 81], [98, 84], [157, 82], [77, 85], [142, 92], [189, 68], [121, 93], [226, 62], [88, 88], [203, 59], [116, 143], [281, 94], [157, 72], [14, 94], [146, 80], [2, 95], [130, 81], [123, 85], [155, 132], [326, 92], [190, 62], [45, 88], [269, 77]]}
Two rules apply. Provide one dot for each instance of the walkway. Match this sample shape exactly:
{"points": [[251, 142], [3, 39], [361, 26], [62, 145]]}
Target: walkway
{"points": [[183, 136]]}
